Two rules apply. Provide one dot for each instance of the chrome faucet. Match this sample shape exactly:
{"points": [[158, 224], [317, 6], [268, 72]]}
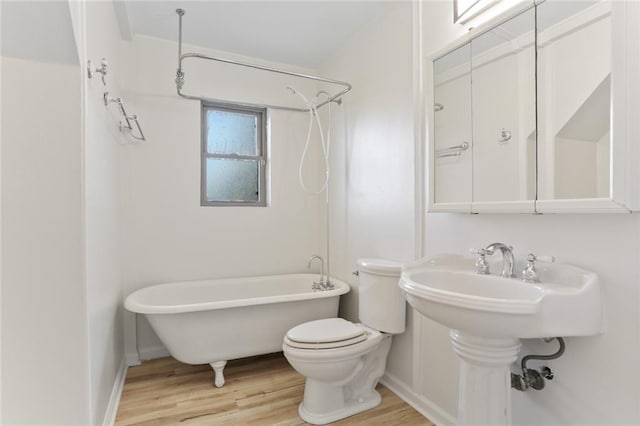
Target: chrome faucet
{"points": [[322, 284], [507, 257]]}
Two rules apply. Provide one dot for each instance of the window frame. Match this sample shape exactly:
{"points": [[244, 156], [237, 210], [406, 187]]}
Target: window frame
{"points": [[261, 147]]}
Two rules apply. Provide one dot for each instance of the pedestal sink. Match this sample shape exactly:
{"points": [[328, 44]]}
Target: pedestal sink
{"points": [[489, 314]]}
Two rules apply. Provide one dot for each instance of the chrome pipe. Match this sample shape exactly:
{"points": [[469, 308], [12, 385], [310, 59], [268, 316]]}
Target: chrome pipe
{"points": [[180, 74], [134, 117], [180, 13]]}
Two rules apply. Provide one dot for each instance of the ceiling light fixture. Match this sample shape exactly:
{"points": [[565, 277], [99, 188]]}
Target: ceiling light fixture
{"points": [[466, 10]]}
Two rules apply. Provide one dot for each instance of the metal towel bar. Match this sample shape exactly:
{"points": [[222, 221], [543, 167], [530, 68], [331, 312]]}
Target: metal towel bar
{"points": [[452, 151], [127, 118]]}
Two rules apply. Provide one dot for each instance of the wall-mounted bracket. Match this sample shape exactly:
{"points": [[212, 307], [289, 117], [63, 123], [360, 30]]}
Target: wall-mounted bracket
{"points": [[102, 70], [505, 136]]}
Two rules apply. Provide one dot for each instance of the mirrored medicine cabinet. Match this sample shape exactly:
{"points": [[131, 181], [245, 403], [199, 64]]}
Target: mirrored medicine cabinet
{"points": [[532, 112]]}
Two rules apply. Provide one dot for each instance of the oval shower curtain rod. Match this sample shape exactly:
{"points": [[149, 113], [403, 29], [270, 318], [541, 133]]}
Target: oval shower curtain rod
{"points": [[180, 74]]}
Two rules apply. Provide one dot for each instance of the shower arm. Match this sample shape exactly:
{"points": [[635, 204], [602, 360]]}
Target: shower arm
{"points": [[180, 75]]}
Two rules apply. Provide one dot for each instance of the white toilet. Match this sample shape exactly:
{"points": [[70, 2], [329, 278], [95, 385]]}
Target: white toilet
{"points": [[343, 361]]}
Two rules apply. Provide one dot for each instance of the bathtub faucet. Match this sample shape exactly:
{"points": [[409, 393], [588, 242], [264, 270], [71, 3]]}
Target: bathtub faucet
{"points": [[322, 284]]}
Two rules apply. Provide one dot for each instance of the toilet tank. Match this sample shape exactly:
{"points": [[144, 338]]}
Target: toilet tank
{"points": [[380, 300]]}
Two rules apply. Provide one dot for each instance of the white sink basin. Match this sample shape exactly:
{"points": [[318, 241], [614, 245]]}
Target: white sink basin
{"points": [[444, 288]]}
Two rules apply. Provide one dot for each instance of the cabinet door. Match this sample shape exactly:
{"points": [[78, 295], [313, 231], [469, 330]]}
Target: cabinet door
{"points": [[504, 115], [584, 149], [452, 130]]}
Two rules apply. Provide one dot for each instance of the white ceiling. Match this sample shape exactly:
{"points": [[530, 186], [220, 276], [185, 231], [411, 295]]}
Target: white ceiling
{"points": [[302, 32]]}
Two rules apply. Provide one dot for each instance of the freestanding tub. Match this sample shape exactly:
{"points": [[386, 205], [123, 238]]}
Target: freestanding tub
{"points": [[212, 321]]}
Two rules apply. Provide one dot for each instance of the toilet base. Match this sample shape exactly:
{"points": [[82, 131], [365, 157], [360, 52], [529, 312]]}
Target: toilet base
{"points": [[372, 401]]}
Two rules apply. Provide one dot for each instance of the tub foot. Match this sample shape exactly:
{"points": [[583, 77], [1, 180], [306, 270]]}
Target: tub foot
{"points": [[218, 366]]}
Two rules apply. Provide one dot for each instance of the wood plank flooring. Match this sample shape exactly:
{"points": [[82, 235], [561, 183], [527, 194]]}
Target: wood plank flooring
{"points": [[261, 390]]}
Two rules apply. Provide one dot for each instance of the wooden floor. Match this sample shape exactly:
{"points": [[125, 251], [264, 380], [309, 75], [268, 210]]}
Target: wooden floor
{"points": [[258, 391]]}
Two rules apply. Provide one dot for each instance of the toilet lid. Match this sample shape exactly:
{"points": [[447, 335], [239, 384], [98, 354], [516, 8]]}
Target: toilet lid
{"points": [[327, 333], [328, 345]]}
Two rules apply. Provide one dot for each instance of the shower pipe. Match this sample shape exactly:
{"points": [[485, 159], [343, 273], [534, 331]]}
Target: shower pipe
{"points": [[326, 145], [180, 75]]}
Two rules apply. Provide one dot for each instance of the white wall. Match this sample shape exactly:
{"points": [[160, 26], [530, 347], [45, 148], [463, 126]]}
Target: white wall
{"points": [[62, 328], [372, 181], [569, 77], [44, 335], [103, 141], [596, 379], [576, 168], [166, 234]]}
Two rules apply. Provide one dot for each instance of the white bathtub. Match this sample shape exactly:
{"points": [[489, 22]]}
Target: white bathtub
{"points": [[210, 322]]}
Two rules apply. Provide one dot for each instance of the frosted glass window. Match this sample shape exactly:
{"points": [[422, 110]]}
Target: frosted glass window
{"points": [[231, 132], [232, 180], [233, 155]]}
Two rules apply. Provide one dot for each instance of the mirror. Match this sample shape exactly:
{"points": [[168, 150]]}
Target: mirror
{"points": [[452, 126], [547, 124], [484, 117], [504, 111], [574, 100]]}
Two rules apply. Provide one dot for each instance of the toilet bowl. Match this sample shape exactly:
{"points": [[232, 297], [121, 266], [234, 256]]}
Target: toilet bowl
{"points": [[341, 371], [343, 361]]}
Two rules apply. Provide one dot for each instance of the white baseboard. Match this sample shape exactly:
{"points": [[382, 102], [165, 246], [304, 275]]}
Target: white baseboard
{"points": [[153, 352], [132, 359], [116, 393], [422, 405]]}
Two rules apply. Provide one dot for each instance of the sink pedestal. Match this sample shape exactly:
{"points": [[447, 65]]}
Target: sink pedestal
{"points": [[485, 378]]}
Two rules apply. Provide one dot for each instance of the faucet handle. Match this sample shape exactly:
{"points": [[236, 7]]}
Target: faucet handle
{"points": [[481, 265], [529, 274], [531, 258], [544, 259]]}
